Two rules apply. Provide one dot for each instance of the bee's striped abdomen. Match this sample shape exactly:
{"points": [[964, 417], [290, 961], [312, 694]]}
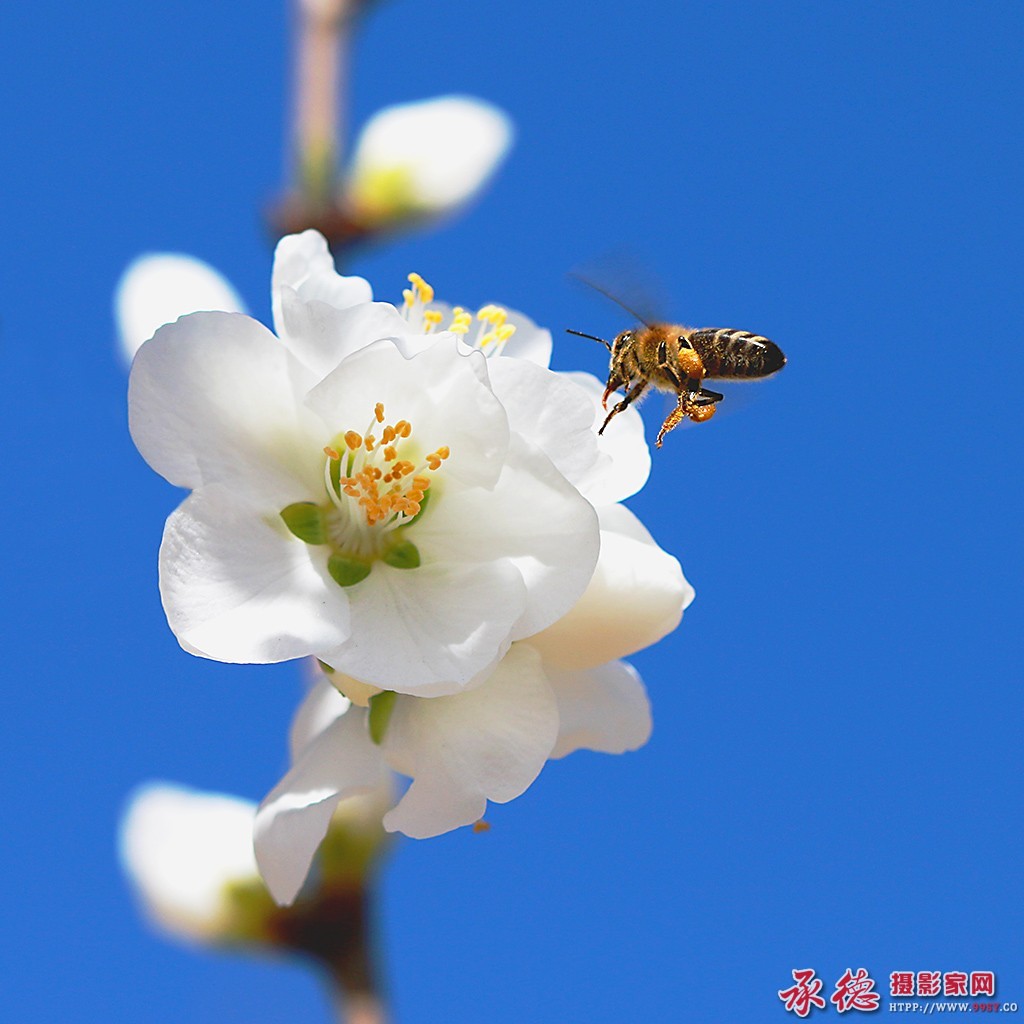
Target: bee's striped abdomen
{"points": [[728, 353]]}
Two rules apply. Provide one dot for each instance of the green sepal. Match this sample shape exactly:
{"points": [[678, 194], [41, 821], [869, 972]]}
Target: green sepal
{"points": [[402, 556], [423, 507], [327, 670], [347, 572], [381, 706], [306, 521]]}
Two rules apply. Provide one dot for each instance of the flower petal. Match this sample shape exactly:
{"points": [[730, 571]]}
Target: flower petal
{"points": [[624, 462], [239, 588], [322, 706], [443, 392], [604, 708], [321, 336], [212, 399], [429, 630], [534, 518], [636, 596], [292, 821], [158, 288], [303, 265], [550, 411], [488, 743]]}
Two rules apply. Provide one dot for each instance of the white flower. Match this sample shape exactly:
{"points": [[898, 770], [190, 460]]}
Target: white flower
{"points": [[424, 159], [403, 517], [157, 288], [557, 692], [188, 853]]}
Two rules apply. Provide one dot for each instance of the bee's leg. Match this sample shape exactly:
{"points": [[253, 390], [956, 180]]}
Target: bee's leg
{"points": [[673, 419], [632, 394]]}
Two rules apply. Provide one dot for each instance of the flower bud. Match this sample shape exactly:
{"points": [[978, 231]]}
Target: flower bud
{"points": [[190, 857], [420, 160]]}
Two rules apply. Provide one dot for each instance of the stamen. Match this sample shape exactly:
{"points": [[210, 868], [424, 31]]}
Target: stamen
{"points": [[422, 290], [431, 319], [388, 491], [461, 321], [494, 315]]}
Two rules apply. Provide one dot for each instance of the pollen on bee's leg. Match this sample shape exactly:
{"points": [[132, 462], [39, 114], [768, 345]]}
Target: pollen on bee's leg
{"points": [[674, 418]]}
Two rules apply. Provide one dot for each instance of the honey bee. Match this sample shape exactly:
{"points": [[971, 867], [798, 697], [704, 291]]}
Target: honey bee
{"points": [[671, 357]]}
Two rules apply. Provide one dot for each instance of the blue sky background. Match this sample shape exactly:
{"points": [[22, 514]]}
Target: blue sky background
{"points": [[835, 775]]}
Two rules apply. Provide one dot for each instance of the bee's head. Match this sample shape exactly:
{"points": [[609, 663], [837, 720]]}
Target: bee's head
{"points": [[622, 341]]}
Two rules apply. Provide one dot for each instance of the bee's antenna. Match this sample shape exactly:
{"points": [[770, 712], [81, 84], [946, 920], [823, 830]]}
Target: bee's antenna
{"points": [[592, 337], [608, 295]]}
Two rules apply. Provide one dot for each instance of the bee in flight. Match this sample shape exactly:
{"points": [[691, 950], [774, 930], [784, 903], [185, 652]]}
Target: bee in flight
{"points": [[671, 357]]}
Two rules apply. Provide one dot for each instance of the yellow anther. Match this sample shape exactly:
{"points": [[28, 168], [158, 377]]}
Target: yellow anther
{"points": [[421, 483], [443, 452], [498, 336], [370, 441], [423, 290], [388, 435], [353, 440], [331, 453], [407, 294], [414, 495], [431, 319], [403, 428], [390, 454], [378, 412], [461, 321], [494, 315]]}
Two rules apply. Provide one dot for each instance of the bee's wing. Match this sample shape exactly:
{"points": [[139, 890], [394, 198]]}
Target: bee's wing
{"points": [[622, 278]]}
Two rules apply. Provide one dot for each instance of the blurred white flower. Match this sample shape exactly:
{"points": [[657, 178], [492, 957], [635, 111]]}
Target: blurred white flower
{"points": [[157, 288], [559, 691], [402, 517], [424, 159], [188, 854]]}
